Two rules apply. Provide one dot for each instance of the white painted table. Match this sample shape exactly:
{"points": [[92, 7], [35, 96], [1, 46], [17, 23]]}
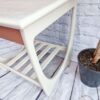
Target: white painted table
{"points": [[30, 18]]}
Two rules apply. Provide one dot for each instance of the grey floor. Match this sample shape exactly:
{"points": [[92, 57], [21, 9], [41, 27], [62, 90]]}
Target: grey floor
{"points": [[69, 87]]}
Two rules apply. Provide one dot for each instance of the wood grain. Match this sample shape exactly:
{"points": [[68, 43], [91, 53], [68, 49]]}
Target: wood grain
{"points": [[11, 34], [28, 91], [13, 87], [7, 50], [63, 89]]}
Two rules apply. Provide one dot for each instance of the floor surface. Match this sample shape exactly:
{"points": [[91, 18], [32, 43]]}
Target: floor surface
{"points": [[69, 87]]}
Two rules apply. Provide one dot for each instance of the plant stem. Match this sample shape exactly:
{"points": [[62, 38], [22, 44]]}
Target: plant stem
{"points": [[96, 57]]}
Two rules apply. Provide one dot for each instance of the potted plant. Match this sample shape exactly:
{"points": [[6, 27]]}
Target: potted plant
{"points": [[89, 66]]}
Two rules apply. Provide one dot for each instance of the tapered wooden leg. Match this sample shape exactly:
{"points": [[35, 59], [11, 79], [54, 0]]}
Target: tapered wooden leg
{"points": [[47, 84]]}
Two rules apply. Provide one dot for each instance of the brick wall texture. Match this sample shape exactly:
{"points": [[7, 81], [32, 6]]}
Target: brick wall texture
{"points": [[87, 27]]}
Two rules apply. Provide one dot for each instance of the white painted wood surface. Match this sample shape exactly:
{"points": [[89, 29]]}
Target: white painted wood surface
{"points": [[22, 59], [22, 12], [63, 89], [32, 23], [46, 83], [69, 87]]}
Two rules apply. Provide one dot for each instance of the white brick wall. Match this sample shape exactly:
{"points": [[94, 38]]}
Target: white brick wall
{"points": [[87, 28]]}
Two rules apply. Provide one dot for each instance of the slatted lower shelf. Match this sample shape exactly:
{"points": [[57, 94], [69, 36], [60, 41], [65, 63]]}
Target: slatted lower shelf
{"points": [[21, 64]]}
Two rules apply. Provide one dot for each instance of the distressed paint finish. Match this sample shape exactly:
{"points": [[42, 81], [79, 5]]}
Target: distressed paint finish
{"points": [[30, 25], [69, 87]]}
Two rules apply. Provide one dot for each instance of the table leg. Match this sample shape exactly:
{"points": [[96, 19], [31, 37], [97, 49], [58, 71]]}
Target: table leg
{"points": [[46, 83]]}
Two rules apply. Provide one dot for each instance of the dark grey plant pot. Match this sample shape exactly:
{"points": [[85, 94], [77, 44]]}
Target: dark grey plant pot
{"points": [[88, 76]]}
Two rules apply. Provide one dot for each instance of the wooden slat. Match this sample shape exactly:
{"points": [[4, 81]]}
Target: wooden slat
{"points": [[11, 54], [23, 76], [44, 52], [46, 61], [24, 91], [21, 63], [39, 47], [53, 45], [8, 83], [30, 72], [36, 43], [49, 58], [27, 91], [6, 45], [16, 58], [63, 89], [3, 71], [26, 69]]}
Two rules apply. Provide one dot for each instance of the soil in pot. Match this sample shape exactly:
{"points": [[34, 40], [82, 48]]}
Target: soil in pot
{"points": [[86, 58]]}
